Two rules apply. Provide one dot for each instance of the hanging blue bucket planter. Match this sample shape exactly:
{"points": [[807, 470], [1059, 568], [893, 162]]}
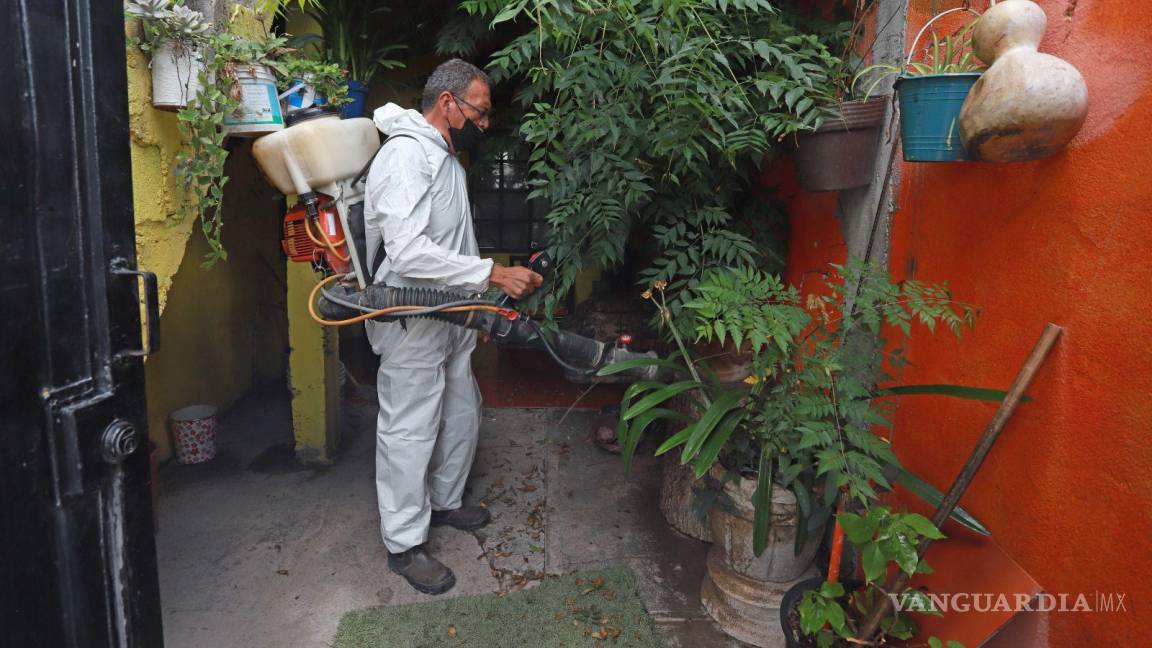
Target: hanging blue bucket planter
{"points": [[358, 93], [930, 115]]}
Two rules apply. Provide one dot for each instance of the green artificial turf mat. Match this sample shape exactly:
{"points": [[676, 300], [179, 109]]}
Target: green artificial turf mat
{"points": [[581, 610]]}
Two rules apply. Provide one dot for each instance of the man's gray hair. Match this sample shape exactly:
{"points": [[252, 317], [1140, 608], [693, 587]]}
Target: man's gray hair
{"points": [[452, 76]]}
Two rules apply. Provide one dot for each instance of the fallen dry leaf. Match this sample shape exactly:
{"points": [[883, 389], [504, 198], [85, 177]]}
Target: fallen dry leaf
{"points": [[452, 631]]}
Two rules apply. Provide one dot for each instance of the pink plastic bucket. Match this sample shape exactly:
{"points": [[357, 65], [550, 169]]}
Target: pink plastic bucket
{"points": [[194, 432]]}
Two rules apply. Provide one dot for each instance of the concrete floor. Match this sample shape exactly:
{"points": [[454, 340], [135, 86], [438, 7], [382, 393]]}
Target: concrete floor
{"points": [[256, 551]]}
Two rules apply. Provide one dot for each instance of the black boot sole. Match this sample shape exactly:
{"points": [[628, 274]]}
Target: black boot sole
{"points": [[463, 527], [426, 589]]}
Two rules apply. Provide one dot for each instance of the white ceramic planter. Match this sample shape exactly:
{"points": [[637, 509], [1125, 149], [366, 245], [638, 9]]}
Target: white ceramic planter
{"points": [[175, 75]]}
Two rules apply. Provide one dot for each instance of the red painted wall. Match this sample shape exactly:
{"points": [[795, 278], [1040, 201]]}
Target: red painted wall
{"points": [[1065, 240]]}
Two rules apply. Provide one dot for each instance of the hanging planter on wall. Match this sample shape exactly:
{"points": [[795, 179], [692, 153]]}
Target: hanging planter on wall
{"points": [[841, 153], [176, 69], [930, 116], [259, 111], [931, 93], [175, 37]]}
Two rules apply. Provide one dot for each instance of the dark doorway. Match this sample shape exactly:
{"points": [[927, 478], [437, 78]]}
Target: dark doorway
{"points": [[78, 560]]}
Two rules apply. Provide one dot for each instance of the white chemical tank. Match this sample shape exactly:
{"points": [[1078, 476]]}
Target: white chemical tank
{"points": [[316, 152]]}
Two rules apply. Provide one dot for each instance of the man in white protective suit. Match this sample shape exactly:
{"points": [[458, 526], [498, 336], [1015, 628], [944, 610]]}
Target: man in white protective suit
{"points": [[429, 421]]}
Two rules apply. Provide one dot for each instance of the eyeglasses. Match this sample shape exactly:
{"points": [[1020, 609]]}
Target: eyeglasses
{"points": [[484, 114]]}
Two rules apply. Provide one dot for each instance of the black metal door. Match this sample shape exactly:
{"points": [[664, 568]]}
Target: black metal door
{"points": [[77, 556]]}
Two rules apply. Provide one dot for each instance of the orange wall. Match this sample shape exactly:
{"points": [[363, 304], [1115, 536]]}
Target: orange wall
{"points": [[1065, 240]]}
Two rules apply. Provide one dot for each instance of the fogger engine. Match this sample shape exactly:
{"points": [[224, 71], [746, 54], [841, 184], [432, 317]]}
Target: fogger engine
{"points": [[319, 240]]}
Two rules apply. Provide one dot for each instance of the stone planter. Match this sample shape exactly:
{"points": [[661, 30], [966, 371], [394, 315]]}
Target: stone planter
{"points": [[742, 591], [677, 498], [744, 608]]}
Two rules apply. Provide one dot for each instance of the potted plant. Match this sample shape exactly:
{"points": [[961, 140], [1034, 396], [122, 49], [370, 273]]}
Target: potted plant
{"points": [[839, 151], [820, 613], [800, 428], [311, 82], [931, 93], [175, 37], [350, 41]]}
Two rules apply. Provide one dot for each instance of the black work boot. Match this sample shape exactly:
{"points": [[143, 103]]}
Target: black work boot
{"points": [[465, 518], [422, 571]]}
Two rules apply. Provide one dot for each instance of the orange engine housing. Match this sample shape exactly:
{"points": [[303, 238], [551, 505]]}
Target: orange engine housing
{"points": [[320, 241]]}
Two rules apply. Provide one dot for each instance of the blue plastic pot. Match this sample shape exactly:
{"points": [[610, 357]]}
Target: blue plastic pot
{"points": [[358, 93], [930, 116]]}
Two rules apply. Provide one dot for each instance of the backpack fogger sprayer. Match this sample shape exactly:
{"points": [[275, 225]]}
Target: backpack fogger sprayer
{"points": [[323, 159]]}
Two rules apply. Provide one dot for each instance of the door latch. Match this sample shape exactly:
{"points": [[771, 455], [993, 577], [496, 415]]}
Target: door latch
{"points": [[152, 297]]}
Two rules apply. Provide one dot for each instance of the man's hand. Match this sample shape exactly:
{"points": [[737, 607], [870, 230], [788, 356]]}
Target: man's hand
{"points": [[516, 282]]}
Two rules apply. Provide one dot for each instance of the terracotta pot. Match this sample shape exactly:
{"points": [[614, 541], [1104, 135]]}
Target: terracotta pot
{"points": [[729, 365], [841, 154], [1027, 105]]}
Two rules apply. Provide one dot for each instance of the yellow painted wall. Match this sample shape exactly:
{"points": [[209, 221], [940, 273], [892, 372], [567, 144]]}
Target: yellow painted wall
{"points": [[160, 239], [314, 373], [224, 330]]}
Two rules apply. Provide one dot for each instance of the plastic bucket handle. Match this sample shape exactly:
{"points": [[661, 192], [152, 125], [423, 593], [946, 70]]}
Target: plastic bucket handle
{"points": [[916, 41]]}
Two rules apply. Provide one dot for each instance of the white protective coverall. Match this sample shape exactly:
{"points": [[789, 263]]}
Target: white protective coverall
{"points": [[427, 429]]}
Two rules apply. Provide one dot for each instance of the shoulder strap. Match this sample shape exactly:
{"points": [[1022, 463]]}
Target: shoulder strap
{"points": [[364, 172]]}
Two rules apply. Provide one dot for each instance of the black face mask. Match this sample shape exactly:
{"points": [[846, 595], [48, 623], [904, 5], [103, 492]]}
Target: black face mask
{"points": [[467, 137]]}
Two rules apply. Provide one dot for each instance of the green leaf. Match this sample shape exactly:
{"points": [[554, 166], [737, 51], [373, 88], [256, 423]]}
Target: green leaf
{"points": [[831, 589], [856, 529], [904, 552], [932, 496], [634, 363], [836, 617], [676, 439], [639, 425], [923, 526], [762, 502], [957, 391], [510, 12], [874, 563], [716, 442], [720, 407], [659, 396]]}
